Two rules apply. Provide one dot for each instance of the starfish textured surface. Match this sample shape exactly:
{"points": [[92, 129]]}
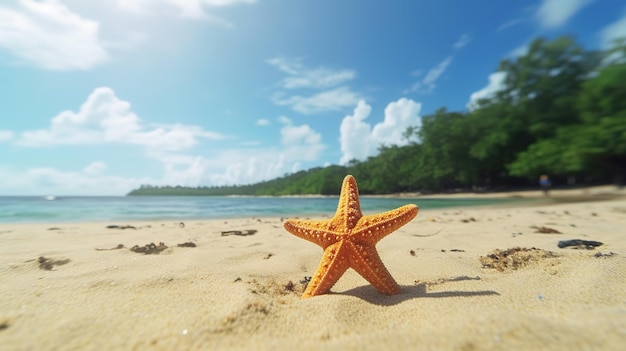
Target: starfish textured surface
{"points": [[349, 241]]}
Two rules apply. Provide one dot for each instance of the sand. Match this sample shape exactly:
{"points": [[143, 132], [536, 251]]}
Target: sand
{"points": [[242, 292]]}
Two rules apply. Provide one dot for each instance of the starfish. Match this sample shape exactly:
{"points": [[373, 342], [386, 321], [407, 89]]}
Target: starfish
{"points": [[349, 241]]}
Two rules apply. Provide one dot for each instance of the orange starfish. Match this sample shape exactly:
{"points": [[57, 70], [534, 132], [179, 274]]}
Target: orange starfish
{"points": [[349, 241]]}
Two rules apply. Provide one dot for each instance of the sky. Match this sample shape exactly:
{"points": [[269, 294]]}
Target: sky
{"points": [[99, 97]]}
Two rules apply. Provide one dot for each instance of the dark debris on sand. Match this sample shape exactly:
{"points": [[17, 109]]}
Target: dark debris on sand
{"points": [[305, 282], [546, 230], [187, 244], [121, 227], [514, 258], [239, 232], [49, 263], [579, 244], [604, 255], [119, 246], [273, 288], [149, 249]]}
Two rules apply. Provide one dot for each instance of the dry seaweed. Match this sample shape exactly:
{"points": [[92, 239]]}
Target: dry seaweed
{"points": [[149, 249], [187, 244], [120, 227], [120, 246], [546, 230], [49, 263], [239, 232]]}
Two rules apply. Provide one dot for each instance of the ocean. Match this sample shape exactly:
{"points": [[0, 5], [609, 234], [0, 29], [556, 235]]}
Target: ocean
{"points": [[39, 209]]}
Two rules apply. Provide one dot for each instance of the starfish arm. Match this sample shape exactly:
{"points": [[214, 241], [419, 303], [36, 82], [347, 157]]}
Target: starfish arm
{"points": [[372, 228], [333, 265], [317, 232], [349, 206], [368, 264]]}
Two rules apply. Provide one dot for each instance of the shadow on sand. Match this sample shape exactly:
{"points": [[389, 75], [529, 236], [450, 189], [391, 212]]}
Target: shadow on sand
{"points": [[417, 291]]}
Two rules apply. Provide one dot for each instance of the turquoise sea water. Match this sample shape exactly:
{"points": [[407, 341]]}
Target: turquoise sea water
{"points": [[25, 209]]}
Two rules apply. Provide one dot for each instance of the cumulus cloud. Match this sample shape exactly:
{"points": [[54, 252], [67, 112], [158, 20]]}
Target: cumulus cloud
{"points": [[264, 164], [196, 9], [359, 140], [329, 100], [355, 135], [302, 143], [104, 118], [6, 135], [428, 83], [496, 83], [299, 143], [49, 35], [615, 30], [555, 13], [51, 181], [263, 122]]}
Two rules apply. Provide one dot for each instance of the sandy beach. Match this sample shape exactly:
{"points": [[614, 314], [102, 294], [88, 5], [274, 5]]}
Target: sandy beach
{"points": [[80, 286]]}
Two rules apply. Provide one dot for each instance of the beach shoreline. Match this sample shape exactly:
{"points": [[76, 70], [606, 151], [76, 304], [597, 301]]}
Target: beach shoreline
{"points": [[113, 210], [241, 290]]}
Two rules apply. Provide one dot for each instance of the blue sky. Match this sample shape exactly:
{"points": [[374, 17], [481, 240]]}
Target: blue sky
{"points": [[98, 97]]}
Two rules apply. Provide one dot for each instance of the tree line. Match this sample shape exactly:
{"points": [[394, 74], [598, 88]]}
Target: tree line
{"points": [[561, 111]]}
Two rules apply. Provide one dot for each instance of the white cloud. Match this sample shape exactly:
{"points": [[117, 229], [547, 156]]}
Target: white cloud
{"points": [[95, 168], [49, 35], [463, 40], [6, 135], [427, 84], [302, 143], [334, 98], [615, 30], [359, 140], [496, 83], [317, 78], [104, 118], [191, 174], [284, 120], [554, 13], [292, 67], [51, 181], [355, 135], [330, 100], [265, 164], [299, 143], [262, 122], [509, 24], [399, 116], [196, 9], [434, 74]]}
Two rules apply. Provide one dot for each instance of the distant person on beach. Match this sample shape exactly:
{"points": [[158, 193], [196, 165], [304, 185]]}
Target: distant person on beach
{"points": [[544, 183]]}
